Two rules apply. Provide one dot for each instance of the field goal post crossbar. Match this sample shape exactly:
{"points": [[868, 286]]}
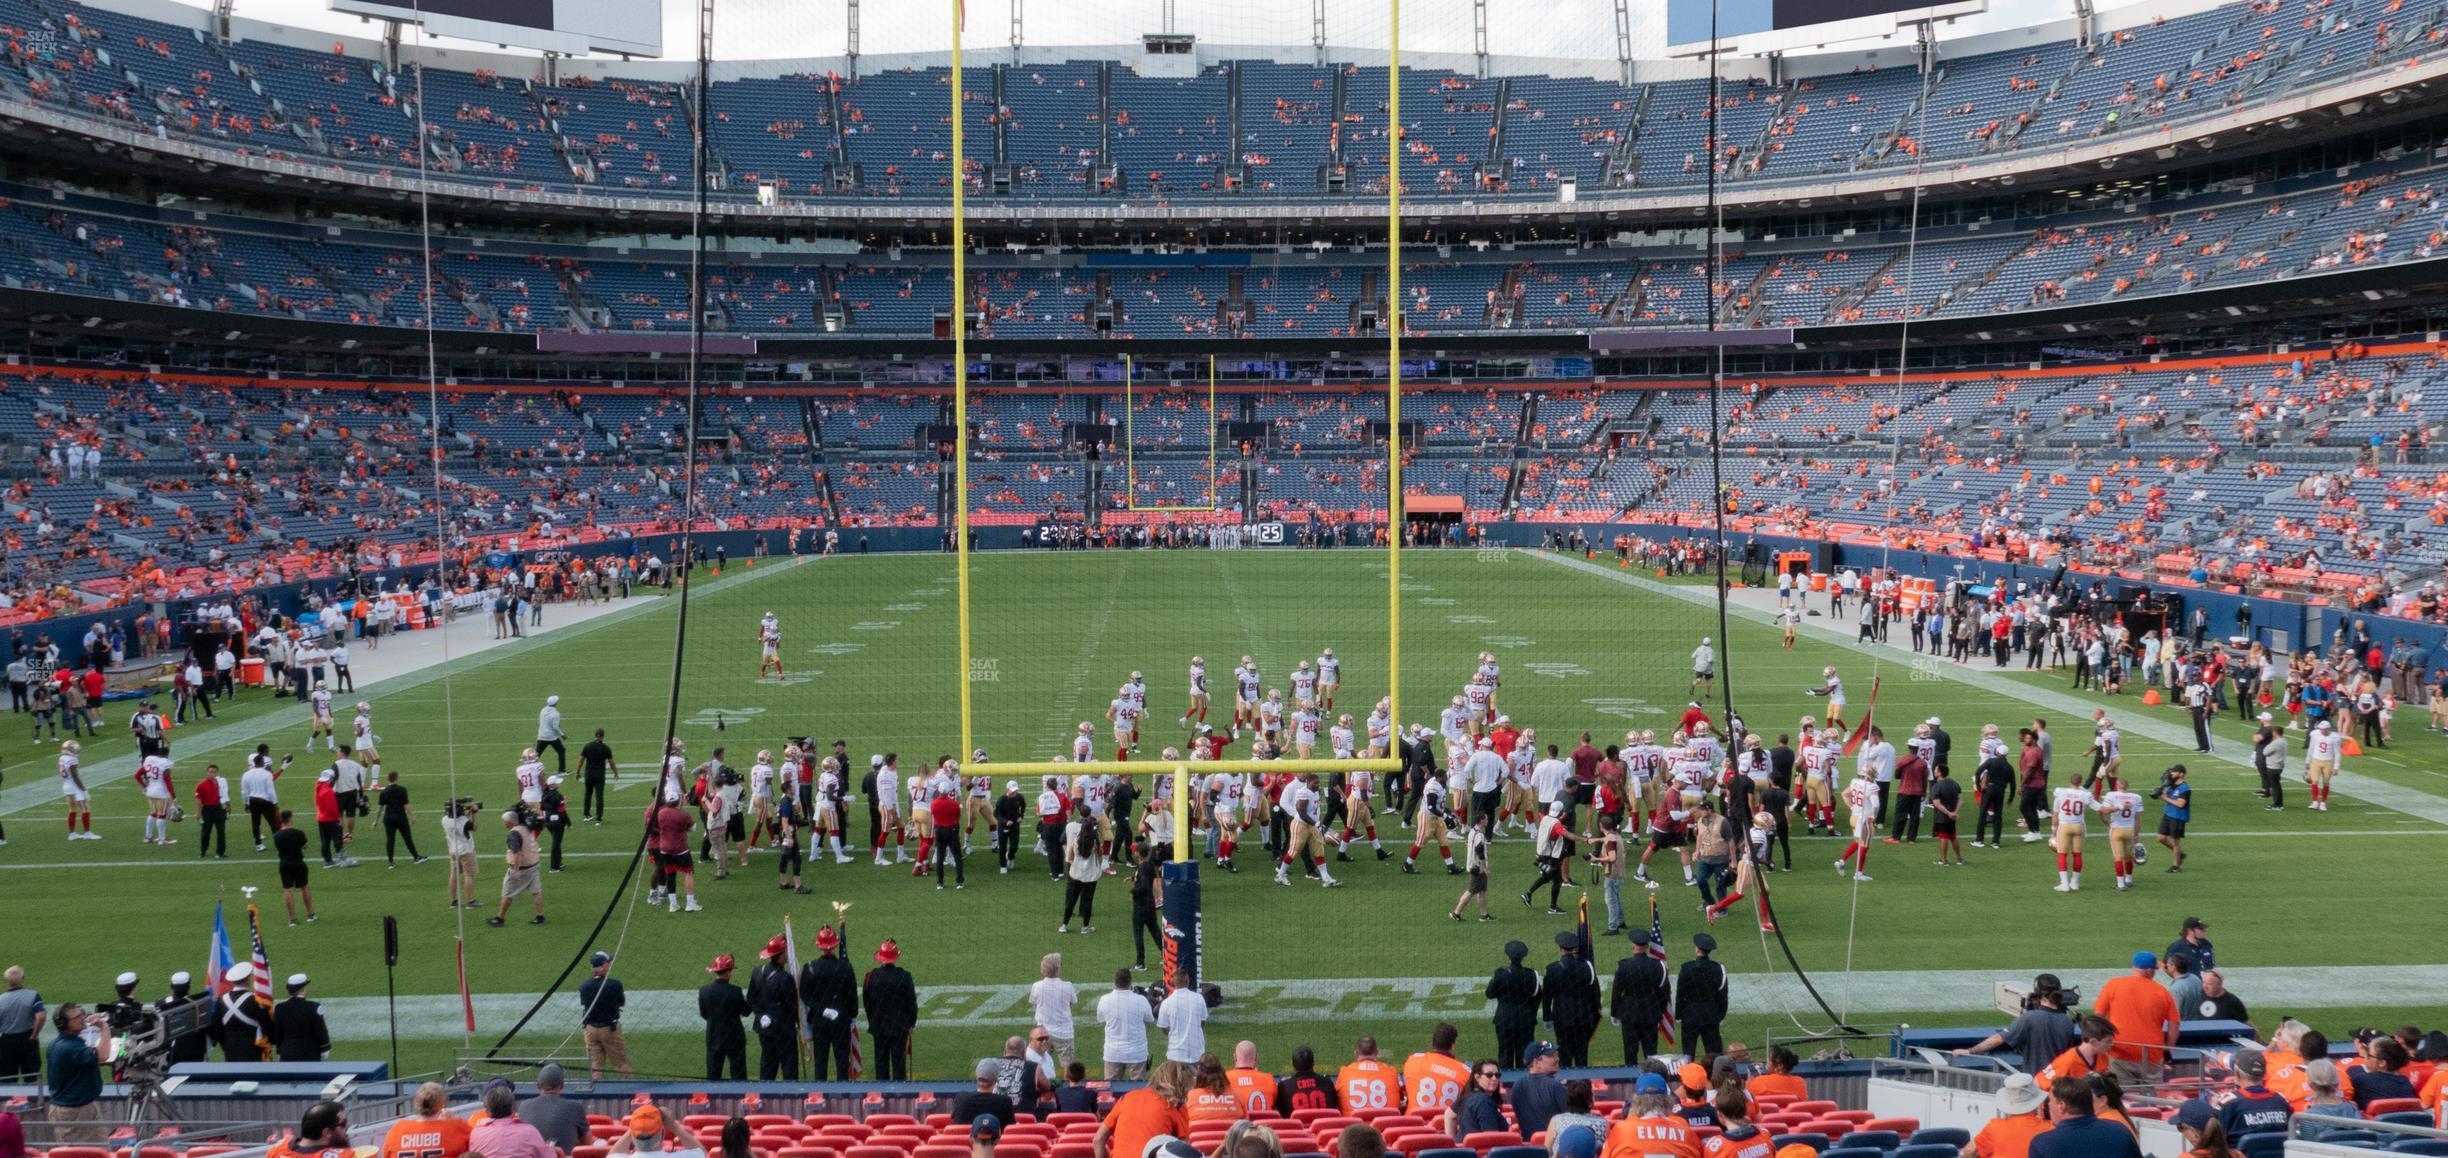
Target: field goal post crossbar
{"points": [[1180, 769], [1130, 447]]}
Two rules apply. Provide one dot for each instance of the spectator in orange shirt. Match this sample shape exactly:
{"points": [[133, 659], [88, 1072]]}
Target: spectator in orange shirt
{"points": [[322, 1133], [1780, 1080], [2145, 1018], [1146, 1113], [1650, 1128], [2286, 1070], [432, 1133], [1252, 1087], [2089, 1056], [2009, 1135], [1210, 1098]]}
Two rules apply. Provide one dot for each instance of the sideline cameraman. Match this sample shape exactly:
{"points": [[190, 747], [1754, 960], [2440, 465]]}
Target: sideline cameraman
{"points": [[520, 874], [75, 1109], [2043, 1031], [459, 845]]}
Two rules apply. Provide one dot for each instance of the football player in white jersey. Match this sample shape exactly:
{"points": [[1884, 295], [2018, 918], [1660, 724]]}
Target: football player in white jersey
{"points": [[2072, 806], [1329, 678], [1358, 817], [1861, 806], [1381, 729], [153, 776], [320, 702], [1519, 801], [1304, 683], [1197, 713], [978, 805], [1095, 794], [1134, 689], [1125, 716], [1479, 704], [760, 812], [1339, 738], [1304, 730], [1434, 821], [769, 645], [1271, 717], [1227, 792], [923, 785], [828, 808], [888, 806], [2322, 750], [2124, 809], [362, 741], [1245, 695], [1491, 673], [1300, 802], [72, 787], [1834, 691], [1820, 762], [530, 774], [1083, 743]]}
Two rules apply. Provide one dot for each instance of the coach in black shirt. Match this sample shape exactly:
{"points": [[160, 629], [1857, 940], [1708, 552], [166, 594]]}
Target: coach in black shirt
{"points": [[1781, 763], [593, 761]]}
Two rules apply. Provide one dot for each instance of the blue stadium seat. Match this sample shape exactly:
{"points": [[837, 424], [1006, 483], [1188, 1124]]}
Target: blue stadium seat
{"points": [[1921, 1149], [1448, 1152], [2427, 1147], [1510, 1152], [1781, 1141], [1851, 1151], [1873, 1140], [2262, 1145], [2405, 1118], [1955, 1137], [2345, 1138]]}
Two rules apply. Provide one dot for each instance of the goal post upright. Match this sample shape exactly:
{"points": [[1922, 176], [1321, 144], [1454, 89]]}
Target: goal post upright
{"points": [[1394, 314], [960, 376]]}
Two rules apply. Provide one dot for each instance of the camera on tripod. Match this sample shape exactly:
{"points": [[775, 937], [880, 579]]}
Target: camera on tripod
{"points": [[141, 1037], [462, 806]]}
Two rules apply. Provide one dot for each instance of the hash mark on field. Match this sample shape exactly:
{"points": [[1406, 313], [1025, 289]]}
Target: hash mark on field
{"points": [[1055, 740]]}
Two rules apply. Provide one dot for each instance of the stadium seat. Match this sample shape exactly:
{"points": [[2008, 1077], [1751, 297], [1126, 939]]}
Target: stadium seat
{"points": [[2381, 1106], [2267, 1144], [590, 1152], [1832, 1127], [1445, 1152], [1308, 1154], [1873, 1140], [81, 1151], [802, 1152], [2426, 1147], [208, 1151], [702, 1121], [1924, 1150], [2404, 1118], [2348, 1138], [1510, 1152], [1955, 1136], [1852, 1152], [1062, 1150], [1413, 1145], [881, 1121], [866, 1151], [1903, 1127], [1814, 1140], [1018, 1150], [1859, 1118], [825, 1121], [1821, 1108], [1487, 1140]]}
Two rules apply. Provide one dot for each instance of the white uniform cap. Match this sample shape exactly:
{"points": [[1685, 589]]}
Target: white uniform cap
{"points": [[239, 973], [127, 979], [181, 978], [552, 701], [297, 980]]}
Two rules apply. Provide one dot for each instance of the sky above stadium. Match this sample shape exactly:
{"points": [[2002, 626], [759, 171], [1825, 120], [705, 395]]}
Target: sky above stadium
{"points": [[813, 28]]}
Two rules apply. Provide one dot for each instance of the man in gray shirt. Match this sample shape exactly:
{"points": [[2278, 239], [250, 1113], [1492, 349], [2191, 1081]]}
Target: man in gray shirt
{"points": [[2048, 764], [21, 1016], [562, 1121], [2042, 1031]]}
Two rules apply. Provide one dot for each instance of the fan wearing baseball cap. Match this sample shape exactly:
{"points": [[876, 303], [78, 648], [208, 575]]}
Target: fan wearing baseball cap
{"points": [[2145, 1017], [1650, 1128], [722, 1006]]}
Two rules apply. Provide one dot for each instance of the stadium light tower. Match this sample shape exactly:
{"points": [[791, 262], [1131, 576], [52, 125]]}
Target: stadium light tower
{"points": [[1015, 31], [1623, 41], [852, 38], [1317, 28], [1479, 35]]}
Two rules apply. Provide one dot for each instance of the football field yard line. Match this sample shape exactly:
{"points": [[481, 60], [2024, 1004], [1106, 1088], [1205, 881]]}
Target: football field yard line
{"points": [[374, 862], [2410, 801], [1462, 999], [236, 736]]}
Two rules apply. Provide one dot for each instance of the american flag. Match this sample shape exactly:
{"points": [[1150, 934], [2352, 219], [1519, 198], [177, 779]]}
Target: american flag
{"points": [[263, 977], [1656, 948], [1861, 731]]}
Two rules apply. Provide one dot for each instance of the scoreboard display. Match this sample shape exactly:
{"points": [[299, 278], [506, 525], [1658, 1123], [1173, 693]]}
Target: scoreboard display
{"points": [[629, 27]]}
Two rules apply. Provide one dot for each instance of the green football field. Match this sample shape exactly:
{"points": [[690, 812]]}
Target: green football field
{"points": [[2332, 915]]}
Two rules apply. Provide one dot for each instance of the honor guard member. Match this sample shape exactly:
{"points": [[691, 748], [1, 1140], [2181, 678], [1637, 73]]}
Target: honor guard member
{"points": [[774, 994], [830, 988], [191, 1045], [1639, 999], [723, 1006], [1515, 990], [298, 1031]]}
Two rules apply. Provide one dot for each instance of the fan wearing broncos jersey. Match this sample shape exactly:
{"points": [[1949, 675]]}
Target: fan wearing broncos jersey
{"points": [[1300, 802]]}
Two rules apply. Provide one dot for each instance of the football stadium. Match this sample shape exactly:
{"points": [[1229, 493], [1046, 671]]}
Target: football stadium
{"points": [[1223, 580]]}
